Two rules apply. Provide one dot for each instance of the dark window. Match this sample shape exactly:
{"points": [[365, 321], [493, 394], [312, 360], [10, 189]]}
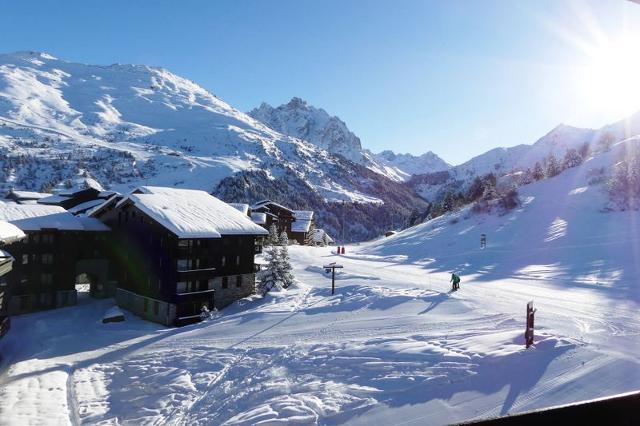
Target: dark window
{"points": [[46, 279], [223, 261], [47, 259], [156, 307], [35, 238], [225, 282], [239, 281], [204, 285], [237, 260], [119, 218], [24, 302], [25, 259], [47, 238]]}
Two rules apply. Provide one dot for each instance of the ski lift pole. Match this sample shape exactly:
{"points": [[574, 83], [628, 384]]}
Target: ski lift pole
{"points": [[332, 267]]}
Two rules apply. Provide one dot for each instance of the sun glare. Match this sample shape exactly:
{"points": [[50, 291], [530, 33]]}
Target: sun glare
{"points": [[612, 79]]}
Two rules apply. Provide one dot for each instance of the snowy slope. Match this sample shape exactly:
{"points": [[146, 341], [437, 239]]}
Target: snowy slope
{"points": [[392, 346], [126, 125]]}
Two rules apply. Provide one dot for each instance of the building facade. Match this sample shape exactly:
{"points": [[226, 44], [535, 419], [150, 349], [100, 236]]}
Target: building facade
{"points": [[179, 250]]}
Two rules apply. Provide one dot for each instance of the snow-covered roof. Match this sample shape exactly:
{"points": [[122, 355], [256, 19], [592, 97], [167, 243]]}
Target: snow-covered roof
{"points": [[87, 205], [107, 194], [267, 203], [259, 218], [4, 256], [35, 217], [320, 235], [53, 199], [244, 208], [92, 224], [191, 213], [303, 214], [27, 195], [302, 222], [104, 203], [9, 233]]}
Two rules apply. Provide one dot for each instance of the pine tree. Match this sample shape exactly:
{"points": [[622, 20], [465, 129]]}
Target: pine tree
{"points": [[272, 238], [270, 276], [553, 168], [309, 239], [572, 158], [538, 172], [284, 262]]}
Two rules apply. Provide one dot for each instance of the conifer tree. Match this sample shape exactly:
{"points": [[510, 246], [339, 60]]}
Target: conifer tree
{"points": [[284, 262], [270, 276]]}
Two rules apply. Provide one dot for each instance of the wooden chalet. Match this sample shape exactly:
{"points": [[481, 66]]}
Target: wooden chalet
{"points": [[298, 224], [302, 228], [8, 234], [179, 250], [58, 248], [274, 214]]}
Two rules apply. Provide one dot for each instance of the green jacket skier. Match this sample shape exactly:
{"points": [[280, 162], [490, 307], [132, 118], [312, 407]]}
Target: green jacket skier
{"points": [[455, 279]]}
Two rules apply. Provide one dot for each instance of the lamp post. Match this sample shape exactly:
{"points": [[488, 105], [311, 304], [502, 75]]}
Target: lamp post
{"points": [[332, 267]]}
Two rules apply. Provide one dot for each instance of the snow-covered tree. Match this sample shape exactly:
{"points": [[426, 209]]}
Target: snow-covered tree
{"points": [[270, 276], [538, 172], [572, 159], [553, 168], [309, 240], [272, 238], [284, 261]]}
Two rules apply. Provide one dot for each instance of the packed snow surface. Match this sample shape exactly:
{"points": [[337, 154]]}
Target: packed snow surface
{"points": [[392, 346]]}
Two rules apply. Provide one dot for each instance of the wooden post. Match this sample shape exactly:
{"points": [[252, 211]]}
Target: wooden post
{"points": [[332, 266], [528, 333]]}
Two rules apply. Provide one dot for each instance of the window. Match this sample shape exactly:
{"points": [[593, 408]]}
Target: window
{"points": [[156, 307], [211, 284], [47, 259], [239, 281], [225, 283], [46, 279], [47, 238], [188, 264], [184, 264], [181, 287], [25, 259], [24, 302], [223, 261], [237, 260], [35, 238]]}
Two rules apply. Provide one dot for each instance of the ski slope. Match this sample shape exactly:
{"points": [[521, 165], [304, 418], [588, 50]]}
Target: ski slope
{"points": [[392, 346]]}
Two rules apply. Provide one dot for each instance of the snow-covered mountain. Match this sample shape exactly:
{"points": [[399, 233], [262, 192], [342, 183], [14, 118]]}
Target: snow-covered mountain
{"points": [[125, 125], [299, 119], [408, 164]]}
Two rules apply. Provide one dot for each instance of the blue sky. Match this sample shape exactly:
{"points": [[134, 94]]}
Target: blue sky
{"points": [[453, 77]]}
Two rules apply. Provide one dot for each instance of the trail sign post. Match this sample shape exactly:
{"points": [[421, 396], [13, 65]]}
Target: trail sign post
{"points": [[528, 333], [332, 267]]}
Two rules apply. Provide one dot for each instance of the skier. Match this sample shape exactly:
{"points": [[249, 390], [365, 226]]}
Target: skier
{"points": [[455, 279]]}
